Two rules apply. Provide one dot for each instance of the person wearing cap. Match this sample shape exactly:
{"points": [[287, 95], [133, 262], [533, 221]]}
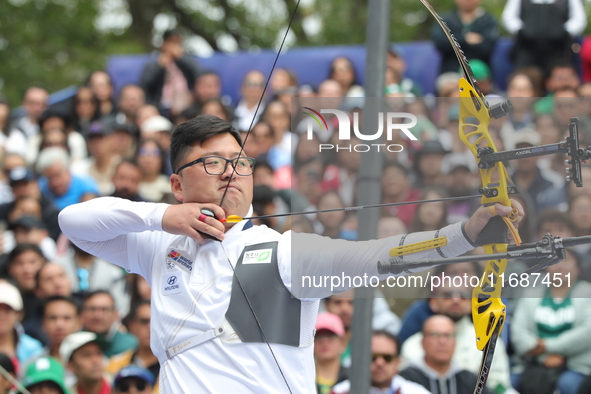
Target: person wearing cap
{"points": [[23, 183], [481, 72], [475, 30], [203, 331], [82, 354], [168, 81], [328, 346], [545, 188], [101, 163], [45, 375], [7, 366], [17, 345], [58, 183], [158, 128], [133, 380]]}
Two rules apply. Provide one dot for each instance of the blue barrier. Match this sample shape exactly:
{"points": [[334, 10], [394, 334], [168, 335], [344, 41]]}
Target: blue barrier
{"points": [[310, 64]]}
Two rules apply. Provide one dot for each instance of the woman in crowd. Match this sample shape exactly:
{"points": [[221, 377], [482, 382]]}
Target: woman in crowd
{"points": [[150, 158]]}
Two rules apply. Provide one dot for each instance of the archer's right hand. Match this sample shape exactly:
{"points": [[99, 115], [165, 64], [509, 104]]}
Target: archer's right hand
{"points": [[183, 219]]}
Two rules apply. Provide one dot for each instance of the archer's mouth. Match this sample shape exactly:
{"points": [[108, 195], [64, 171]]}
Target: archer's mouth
{"points": [[230, 187]]}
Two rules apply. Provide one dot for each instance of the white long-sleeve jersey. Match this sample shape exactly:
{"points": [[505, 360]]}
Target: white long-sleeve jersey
{"points": [[130, 235]]}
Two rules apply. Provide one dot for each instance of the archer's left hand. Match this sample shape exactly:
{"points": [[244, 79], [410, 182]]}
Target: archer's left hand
{"points": [[483, 214]]}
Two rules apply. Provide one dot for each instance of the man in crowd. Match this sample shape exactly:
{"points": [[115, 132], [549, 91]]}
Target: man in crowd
{"points": [[61, 317], [435, 371], [34, 103], [384, 369], [83, 356], [100, 317], [127, 179], [133, 380]]}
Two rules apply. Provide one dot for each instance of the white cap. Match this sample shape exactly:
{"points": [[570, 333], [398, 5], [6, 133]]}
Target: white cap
{"points": [[10, 296], [75, 341], [155, 124], [527, 135]]}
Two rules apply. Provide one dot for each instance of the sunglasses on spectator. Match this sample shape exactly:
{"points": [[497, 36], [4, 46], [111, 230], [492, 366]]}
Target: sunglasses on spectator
{"points": [[388, 358], [124, 386]]}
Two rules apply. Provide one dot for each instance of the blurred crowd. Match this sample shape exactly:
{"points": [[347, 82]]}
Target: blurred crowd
{"points": [[71, 321]]}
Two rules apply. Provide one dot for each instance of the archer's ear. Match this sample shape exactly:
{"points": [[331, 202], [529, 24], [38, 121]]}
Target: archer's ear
{"points": [[176, 187]]}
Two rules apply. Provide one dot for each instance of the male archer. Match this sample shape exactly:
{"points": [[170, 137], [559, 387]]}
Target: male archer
{"points": [[232, 315]]}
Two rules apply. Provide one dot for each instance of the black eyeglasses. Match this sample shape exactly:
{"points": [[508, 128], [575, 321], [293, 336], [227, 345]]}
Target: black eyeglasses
{"points": [[124, 386], [216, 165], [388, 358]]}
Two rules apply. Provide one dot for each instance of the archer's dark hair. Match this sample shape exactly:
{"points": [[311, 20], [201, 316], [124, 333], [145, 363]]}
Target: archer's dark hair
{"points": [[70, 300], [197, 131]]}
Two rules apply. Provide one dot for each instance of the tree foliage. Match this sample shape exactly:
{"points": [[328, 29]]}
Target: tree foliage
{"points": [[56, 43]]}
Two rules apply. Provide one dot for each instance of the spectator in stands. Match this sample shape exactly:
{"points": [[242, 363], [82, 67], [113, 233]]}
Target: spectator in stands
{"points": [[475, 30], [85, 109], [389, 226], [560, 75], [429, 216], [11, 139], [100, 317], [435, 371], [58, 183], [259, 141], [45, 376], [169, 81], [282, 80], [24, 184], [251, 91], [328, 346], [580, 214], [216, 107], [103, 160], [125, 136], [549, 330], [17, 345], [141, 379], [331, 222], [277, 115], [29, 229], [427, 163], [396, 187], [34, 103], [126, 180], [543, 31], [396, 67], [159, 129], [54, 119], [453, 303], [522, 89], [102, 87], [342, 306], [384, 369], [142, 356], [82, 354], [88, 273], [52, 281], [308, 178], [543, 187], [459, 180], [151, 159], [343, 71], [61, 317], [131, 98], [144, 113], [207, 86], [7, 365]]}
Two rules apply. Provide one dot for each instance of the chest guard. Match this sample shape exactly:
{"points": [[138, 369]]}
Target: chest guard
{"points": [[278, 312]]}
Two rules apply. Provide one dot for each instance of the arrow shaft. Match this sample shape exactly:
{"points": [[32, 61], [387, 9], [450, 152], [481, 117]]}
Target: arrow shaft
{"points": [[360, 207]]}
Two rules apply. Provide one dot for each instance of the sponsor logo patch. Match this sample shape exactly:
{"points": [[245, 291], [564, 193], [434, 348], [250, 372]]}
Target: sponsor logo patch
{"points": [[263, 256], [175, 257], [172, 283]]}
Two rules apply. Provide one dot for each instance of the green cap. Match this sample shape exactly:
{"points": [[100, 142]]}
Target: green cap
{"points": [[480, 69], [45, 369]]}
